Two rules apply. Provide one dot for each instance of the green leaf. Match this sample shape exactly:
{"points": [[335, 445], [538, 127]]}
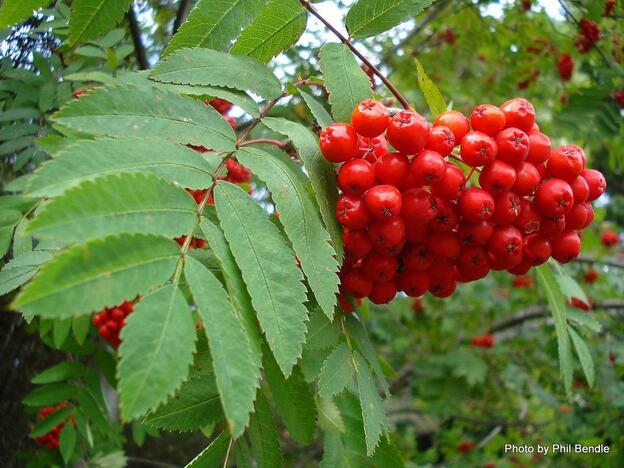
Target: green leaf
{"points": [[301, 221], [60, 331], [584, 355], [293, 399], [549, 284], [242, 453], [51, 421], [20, 269], [116, 204], [337, 372], [236, 373], [16, 11], [345, 81], [92, 18], [149, 113], [88, 159], [360, 337], [67, 442], [238, 98], [320, 171], [269, 270], [432, 94], [10, 132], [210, 67], [88, 277], [16, 144], [213, 455], [274, 30], [570, 287], [80, 328], [235, 286], [214, 24], [469, 365], [19, 113], [49, 395], [373, 413], [370, 17], [330, 418], [318, 111], [157, 348], [194, 406], [582, 318], [62, 371], [263, 436], [321, 332]]}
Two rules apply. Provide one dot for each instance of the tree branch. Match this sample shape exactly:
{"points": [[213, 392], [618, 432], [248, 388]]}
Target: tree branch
{"points": [[135, 30], [180, 15], [357, 53]]}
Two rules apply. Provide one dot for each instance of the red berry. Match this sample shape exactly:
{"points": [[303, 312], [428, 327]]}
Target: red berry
{"points": [[513, 146], [475, 233], [389, 232], [380, 268], [475, 205], [351, 212], [441, 140], [554, 197], [590, 214], [427, 168], [356, 283], [372, 148], [506, 208], [609, 238], [539, 148], [473, 263], [451, 184], [416, 257], [418, 206], [565, 65], [497, 177], [383, 292], [442, 286], [98, 320], [444, 245], [455, 121], [591, 276], [596, 181], [383, 201], [414, 283], [506, 241], [550, 227], [536, 249], [566, 246], [392, 169], [356, 176], [408, 132], [566, 162], [580, 189], [519, 113], [487, 119], [528, 179], [447, 217], [357, 243], [339, 142], [529, 219], [478, 149], [577, 217], [370, 118]]}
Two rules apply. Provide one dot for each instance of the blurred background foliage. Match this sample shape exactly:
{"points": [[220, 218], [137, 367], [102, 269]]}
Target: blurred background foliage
{"points": [[455, 404]]}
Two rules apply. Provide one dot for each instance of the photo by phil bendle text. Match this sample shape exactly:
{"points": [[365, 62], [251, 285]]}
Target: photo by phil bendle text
{"points": [[558, 448]]}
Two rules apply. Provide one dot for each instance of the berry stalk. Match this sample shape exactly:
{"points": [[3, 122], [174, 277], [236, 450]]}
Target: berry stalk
{"points": [[357, 53]]}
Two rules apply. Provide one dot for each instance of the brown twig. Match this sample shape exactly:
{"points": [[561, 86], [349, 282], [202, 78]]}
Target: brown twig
{"points": [[135, 30], [357, 53], [180, 15]]}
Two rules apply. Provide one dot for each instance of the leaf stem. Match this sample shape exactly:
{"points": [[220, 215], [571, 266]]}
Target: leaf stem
{"points": [[357, 53], [227, 454]]}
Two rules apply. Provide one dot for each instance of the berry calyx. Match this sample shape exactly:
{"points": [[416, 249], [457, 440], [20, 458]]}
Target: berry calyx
{"points": [[370, 118]]}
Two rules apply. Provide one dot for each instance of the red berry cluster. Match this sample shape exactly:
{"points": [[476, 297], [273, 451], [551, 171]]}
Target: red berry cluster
{"points": [[619, 97], [411, 224], [609, 238], [565, 65], [588, 35], [526, 4], [484, 341], [223, 107], [591, 276], [111, 320], [609, 6], [51, 439], [465, 446]]}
